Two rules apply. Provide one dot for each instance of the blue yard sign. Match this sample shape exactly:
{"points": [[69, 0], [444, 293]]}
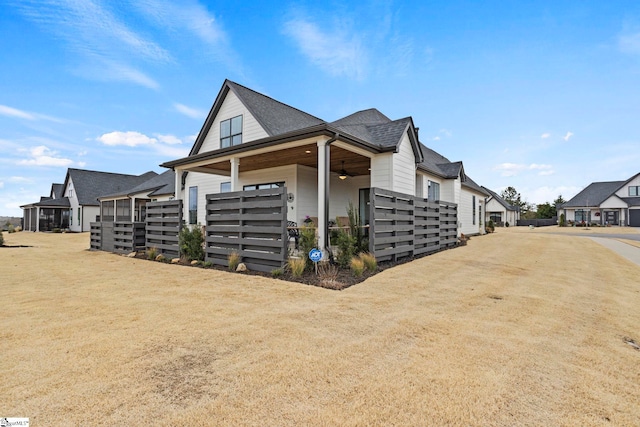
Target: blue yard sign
{"points": [[315, 255]]}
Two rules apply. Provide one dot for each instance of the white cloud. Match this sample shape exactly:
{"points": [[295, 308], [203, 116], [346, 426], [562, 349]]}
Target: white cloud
{"points": [[189, 112], [549, 194], [338, 51], [165, 145], [43, 156], [629, 43], [435, 138], [98, 35], [513, 169], [129, 139], [1, 184], [169, 139], [18, 179], [21, 114], [446, 132], [567, 136], [545, 135]]}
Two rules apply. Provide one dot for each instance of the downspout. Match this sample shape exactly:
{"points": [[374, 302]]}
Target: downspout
{"points": [[327, 180]]}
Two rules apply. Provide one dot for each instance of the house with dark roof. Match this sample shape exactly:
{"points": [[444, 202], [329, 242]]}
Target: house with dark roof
{"points": [[500, 211], [251, 141], [131, 204], [74, 204], [606, 203]]}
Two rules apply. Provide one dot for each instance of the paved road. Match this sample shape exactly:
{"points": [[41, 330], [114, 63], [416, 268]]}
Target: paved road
{"points": [[630, 236], [630, 252]]}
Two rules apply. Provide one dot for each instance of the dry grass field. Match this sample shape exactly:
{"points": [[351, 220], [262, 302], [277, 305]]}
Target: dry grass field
{"points": [[516, 328]]}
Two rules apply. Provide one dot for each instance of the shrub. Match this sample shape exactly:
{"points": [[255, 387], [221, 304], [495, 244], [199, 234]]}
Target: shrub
{"points": [[506, 224], [277, 272], [491, 227], [11, 228], [357, 266], [152, 253], [207, 264], [297, 266], [308, 241], [346, 249], [355, 227], [1, 238], [56, 230], [234, 260], [562, 222], [369, 260], [190, 241]]}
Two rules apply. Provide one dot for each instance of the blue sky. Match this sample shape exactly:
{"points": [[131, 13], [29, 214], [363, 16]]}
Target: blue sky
{"points": [[543, 96]]}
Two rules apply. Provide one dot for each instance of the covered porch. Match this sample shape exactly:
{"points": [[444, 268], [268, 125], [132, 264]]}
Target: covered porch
{"points": [[321, 177]]}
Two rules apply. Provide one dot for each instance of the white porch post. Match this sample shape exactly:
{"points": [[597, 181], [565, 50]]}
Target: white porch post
{"points": [[37, 218], [323, 160], [235, 172], [178, 194]]}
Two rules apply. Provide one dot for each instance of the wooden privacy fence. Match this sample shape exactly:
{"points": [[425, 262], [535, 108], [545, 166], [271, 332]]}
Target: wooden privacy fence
{"points": [[163, 223], [251, 223], [119, 237], [402, 226]]}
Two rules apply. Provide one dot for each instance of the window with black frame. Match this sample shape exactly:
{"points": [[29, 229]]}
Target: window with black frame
{"points": [[231, 132], [193, 205]]}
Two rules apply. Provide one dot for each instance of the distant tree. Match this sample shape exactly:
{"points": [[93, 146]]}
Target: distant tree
{"points": [[511, 196], [527, 211], [545, 210], [557, 202]]}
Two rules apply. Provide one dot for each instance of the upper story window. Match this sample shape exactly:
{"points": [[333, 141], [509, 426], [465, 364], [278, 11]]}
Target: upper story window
{"points": [[634, 190], [433, 191], [263, 186], [70, 192], [231, 132]]}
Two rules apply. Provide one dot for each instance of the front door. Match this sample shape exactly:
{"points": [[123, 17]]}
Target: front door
{"points": [[611, 217]]}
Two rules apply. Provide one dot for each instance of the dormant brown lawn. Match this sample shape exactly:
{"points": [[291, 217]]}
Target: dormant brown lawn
{"points": [[516, 328]]}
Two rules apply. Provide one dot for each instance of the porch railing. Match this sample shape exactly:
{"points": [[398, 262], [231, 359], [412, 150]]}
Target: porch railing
{"points": [[163, 223]]}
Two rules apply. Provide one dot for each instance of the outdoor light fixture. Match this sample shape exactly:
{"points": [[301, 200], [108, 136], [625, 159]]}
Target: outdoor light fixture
{"points": [[343, 173]]}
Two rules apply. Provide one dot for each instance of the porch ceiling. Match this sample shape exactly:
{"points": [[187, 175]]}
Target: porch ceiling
{"points": [[306, 155]]}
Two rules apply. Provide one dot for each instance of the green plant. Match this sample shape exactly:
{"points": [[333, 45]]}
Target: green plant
{"points": [[297, 266], [234, 259], [491, 227], [11, 228], [356, 230], [152, 253], [357, 266], [207, 264], [506, 224], [56, 230], [562, 222], [346, 249], [369, 260], [308, 241], [190, 241], [277, 272], [1, 238]]}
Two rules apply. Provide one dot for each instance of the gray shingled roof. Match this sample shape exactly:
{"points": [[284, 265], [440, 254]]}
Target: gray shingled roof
{"points": [[373, 127], [500, 200], [57, 190], [158, 185], [470, 183], [89, 185], [275, 117], [631, 201], [48, 202], [594, 194]]}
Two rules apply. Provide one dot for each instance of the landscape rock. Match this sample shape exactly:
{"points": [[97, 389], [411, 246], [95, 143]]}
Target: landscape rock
{"points": [[132, 255], [175, 260], [241, 267], [195, 262], [160, 258]]}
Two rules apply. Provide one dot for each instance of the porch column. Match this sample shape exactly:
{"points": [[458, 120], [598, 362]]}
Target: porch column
{"points": [[37, 218], [178, 191], [323, 191], [235, 172]]}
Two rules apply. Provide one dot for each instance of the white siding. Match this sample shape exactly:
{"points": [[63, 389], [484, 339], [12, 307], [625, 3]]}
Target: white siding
{"points": [[613, 202], [207, 184], [88, 214], [382, 171], [450, 191], [232, 107], [404, 168], [70, 192], [307, 195], [624, 191], [465, 212]]}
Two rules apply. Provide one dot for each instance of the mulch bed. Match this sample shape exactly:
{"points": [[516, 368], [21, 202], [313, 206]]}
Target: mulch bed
{"points": [[342, 280]]}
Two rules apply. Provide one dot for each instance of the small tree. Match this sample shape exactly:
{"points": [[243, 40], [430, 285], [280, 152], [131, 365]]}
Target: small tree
{"points": [[308, 241], [190, 241], [562, 221], [1, 239]]}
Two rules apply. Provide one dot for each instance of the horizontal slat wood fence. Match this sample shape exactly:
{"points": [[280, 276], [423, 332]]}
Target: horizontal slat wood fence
{"points": [[163, 223], [251, 223], [405, 226]]}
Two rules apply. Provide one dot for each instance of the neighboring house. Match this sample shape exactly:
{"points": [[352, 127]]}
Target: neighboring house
{"points": [[74, 204], [131, 204], [606, 203], [500, 211], [251, 141]]}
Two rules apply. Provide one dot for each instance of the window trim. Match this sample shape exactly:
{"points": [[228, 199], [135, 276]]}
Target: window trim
{"points": [[267, 185], [232, 136], [637, 190]]}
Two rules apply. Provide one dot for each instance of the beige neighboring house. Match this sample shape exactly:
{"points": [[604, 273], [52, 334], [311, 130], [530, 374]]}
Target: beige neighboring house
{"points": [[500, 211], [251, 141]]}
